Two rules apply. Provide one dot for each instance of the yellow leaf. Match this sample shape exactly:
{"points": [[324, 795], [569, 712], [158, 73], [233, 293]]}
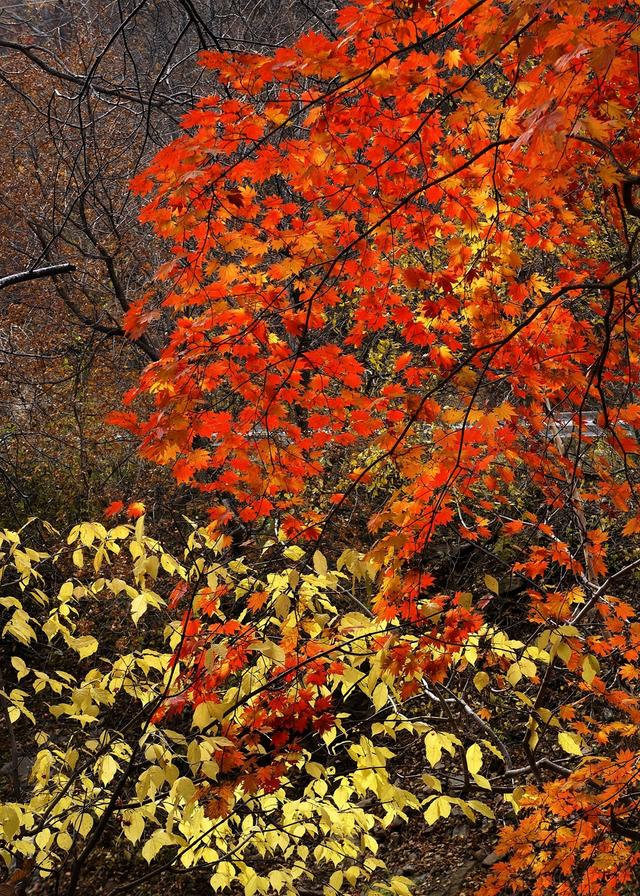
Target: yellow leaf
{"points": [[452, 58], [83, 823], [9, 822], [380, 696], [272, 651], [610, 177], [85, 645], [64, 841], [138, 607], [432, 782], [590, 668], [293, 552], [492, 584], [66, 592], [400, 886], [44, 838], [570, 743], [527, 667], [474, 759], [225, 873], [433, 746], [352, 874], [201, 715], [108, 769], [20, 666], [252, 880], [133, 825], [481, 781], [514, 674], [438, 808], [320, 563], [154, 844], [481, 808]]}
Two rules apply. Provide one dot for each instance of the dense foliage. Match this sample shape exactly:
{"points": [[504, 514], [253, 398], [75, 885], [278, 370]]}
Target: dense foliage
{"points": [[402, 297]]}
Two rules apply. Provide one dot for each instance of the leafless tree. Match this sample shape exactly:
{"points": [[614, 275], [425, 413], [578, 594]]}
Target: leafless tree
{"points": [[90, 89]]}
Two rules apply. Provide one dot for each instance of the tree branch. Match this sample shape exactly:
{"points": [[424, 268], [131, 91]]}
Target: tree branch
{"points": [[51, 270]]}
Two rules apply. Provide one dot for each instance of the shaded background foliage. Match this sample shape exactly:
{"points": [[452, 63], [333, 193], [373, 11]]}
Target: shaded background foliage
{"points": [[89, 92]]}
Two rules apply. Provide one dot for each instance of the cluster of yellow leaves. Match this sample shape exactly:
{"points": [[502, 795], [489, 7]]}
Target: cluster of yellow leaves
{"points": [[191, 776], [166, 777]]}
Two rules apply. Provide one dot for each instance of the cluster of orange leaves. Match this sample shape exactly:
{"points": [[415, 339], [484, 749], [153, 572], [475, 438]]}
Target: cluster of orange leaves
{"points": [[402, 252]]}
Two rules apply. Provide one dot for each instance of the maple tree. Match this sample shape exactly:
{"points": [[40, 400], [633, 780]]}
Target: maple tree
{"points": [[409, 251], [403, 283]]}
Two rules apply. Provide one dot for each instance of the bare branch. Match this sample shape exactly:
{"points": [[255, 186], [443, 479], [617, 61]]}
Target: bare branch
{"points": [[51, 270]]}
